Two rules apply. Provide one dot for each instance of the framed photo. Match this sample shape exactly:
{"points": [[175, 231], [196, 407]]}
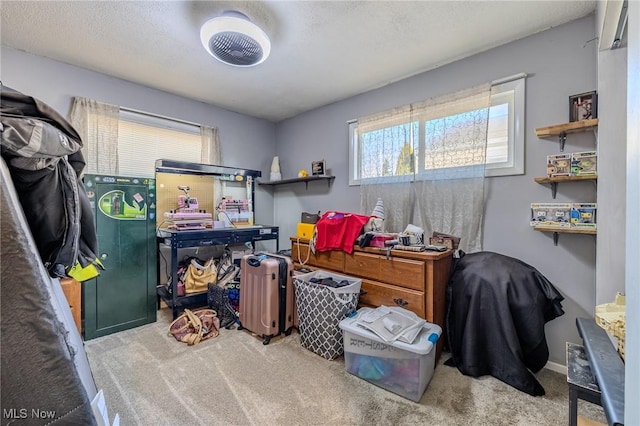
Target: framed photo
{"points": [[583, 106], [318, 168]]}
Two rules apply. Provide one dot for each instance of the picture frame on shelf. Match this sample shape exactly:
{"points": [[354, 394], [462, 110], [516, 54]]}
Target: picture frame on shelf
{"points": [[583, 106], [318, 168]]}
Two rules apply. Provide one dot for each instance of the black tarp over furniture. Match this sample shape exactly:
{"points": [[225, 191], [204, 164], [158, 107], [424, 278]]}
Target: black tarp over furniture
{"points": [[44, 368], [497, 309], [43, 364]]}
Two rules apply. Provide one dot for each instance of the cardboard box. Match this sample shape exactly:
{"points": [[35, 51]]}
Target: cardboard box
{"points": [[401, 368], [584, 163], [559, 165], [551, 214], [583, 215]]}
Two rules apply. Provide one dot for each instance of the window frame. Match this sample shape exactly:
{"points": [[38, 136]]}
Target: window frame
{"points": [[510, 89]]}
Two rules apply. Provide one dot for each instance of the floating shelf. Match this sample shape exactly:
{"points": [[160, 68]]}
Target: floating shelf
{"points": [[306, 180], [556, 231], [561, 130], [573, 127], [553, 181]]}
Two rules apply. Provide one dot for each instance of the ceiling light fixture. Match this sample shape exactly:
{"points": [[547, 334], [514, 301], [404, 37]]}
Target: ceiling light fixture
{"points": [[233, 39]]}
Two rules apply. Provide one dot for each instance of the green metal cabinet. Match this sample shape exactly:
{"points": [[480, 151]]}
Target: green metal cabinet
{"points": [[123, 296]]}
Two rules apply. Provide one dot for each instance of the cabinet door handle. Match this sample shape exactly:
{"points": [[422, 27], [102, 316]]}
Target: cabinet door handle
{"points": [[400, 302]]}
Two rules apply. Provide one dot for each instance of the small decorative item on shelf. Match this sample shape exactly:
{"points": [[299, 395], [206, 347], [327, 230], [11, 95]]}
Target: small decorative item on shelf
{"points": [[583, 215], [559, 165], [584, 163], [318, 168], [551, 214], [583, 106], [302, 173], [275, 169]]}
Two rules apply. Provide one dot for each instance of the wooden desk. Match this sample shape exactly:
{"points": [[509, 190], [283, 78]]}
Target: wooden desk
{"points": [[416, 281]]}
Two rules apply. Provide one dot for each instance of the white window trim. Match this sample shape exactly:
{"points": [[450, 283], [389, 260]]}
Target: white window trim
{"points": [[515, 162]]}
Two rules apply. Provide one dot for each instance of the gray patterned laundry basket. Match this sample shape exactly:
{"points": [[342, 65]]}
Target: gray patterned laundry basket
{"points": [[320, 309]]}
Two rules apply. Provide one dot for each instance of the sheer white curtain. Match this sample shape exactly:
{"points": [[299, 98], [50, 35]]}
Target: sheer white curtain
{"points": [[438, 179], [124, 141], [388, 163], [211, 153], [97, 124]]}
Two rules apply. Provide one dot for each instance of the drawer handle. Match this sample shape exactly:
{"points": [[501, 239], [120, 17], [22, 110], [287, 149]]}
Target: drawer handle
{"points": [[401, 302]]}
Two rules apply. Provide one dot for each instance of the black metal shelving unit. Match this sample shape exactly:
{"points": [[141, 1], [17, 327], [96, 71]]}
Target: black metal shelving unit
{"points": [[177, 240]]}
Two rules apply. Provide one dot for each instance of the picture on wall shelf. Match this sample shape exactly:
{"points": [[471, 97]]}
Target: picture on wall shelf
{"points": [[583, 106], [318, 168]]}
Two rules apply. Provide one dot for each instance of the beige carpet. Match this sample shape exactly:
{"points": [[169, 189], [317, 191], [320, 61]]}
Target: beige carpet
{"points": [[151, 379]]}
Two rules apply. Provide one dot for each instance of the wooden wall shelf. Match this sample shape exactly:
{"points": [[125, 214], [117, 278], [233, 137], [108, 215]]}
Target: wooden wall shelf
{"points": [[553, 181], [565, 178], [572, 127], [556, 231], [561, 130], [306, 180]]}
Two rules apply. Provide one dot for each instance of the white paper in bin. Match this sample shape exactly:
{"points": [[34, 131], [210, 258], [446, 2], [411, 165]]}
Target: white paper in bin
{"points": [[423, 344]]}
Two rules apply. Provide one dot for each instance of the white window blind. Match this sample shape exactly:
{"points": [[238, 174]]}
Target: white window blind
{"points": [[142, 139]]}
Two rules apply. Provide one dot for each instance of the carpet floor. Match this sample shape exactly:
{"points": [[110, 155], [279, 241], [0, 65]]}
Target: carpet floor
{"points": [[151, 379]]}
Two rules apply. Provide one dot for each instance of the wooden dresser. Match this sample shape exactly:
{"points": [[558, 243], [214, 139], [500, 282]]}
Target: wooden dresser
{"points": [[414, 280]]}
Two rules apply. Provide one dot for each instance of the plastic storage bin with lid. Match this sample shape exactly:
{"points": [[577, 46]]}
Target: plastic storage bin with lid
{"points": [[402, 368]]}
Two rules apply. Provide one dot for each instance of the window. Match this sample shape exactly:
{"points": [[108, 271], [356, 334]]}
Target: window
{"points": [[142, 139], [413, 144]]}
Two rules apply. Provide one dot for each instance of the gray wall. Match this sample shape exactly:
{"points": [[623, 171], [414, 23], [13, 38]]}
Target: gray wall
{"points": [[632, 277], [560, 62], [55, 83], [612, 145]]}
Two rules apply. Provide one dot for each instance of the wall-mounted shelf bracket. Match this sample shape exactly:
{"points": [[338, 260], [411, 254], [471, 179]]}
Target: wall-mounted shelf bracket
{"points": [[562, 138]]}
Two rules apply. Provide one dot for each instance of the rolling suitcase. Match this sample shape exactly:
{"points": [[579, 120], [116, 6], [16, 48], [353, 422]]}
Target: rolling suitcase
{"points": [[266, 295]]}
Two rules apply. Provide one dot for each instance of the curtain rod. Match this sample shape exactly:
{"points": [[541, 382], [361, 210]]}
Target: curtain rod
{"points": [[164, 117], [508, 79], [493, 83]]}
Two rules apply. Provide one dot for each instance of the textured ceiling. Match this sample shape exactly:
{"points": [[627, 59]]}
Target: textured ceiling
{"points": [[322, 51]]}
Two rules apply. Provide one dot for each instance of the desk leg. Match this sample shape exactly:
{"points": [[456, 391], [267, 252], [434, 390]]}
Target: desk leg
{"points": [[573, 406]]}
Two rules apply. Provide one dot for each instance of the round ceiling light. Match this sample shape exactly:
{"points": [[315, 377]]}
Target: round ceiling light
{"points": [[233, 39]]}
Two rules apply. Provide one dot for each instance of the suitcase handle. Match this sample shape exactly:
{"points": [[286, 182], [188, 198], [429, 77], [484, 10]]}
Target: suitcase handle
{"points": [[255, 260]]}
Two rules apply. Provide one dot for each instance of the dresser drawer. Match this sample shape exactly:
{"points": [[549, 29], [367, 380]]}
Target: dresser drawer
{"points": [[389, 295], [362, 265], [403, 272], [333, 260]]}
